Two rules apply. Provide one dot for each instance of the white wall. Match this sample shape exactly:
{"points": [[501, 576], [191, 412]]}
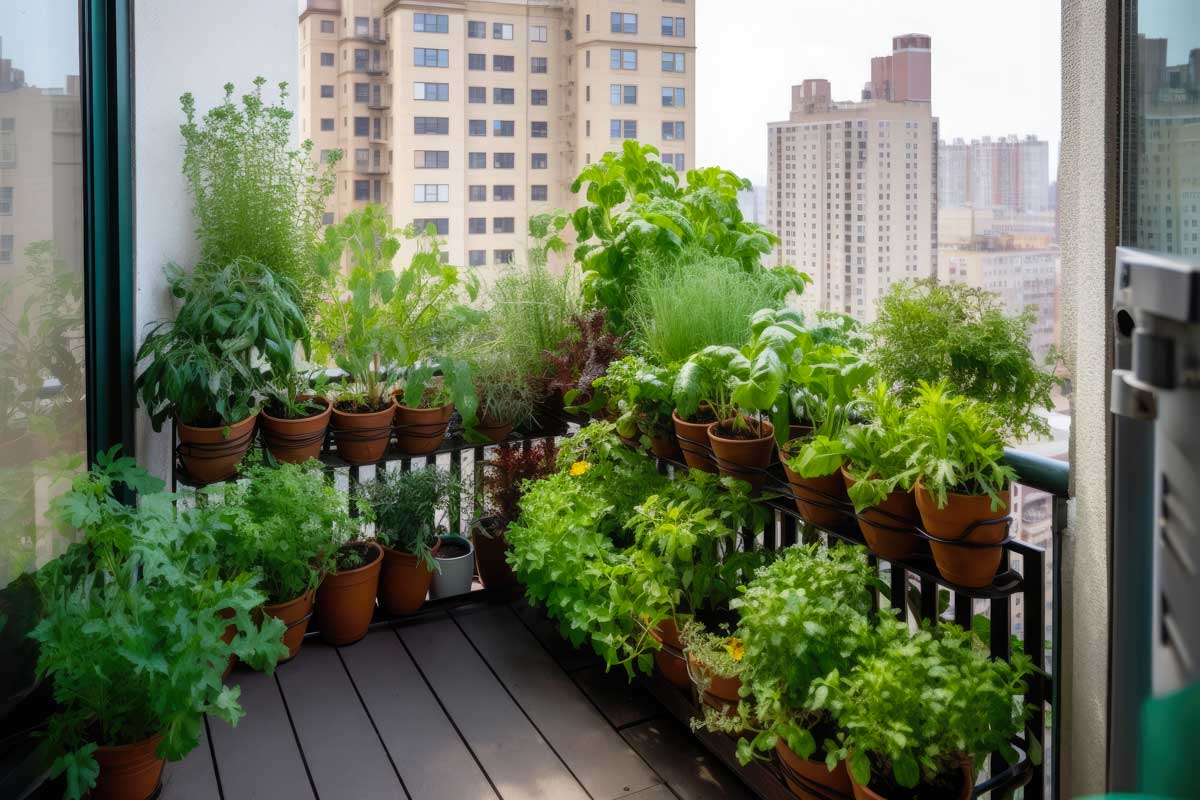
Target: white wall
{"points": [[186, 46]]}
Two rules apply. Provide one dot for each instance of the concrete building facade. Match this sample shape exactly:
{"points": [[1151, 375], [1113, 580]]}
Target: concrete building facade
{"points": [[1005, 173], [474, 116]]}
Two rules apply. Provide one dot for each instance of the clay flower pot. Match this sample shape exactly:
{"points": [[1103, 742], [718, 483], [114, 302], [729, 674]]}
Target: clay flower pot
{"points": [[823, 500], [968, 785], [457, 571], [812, 779], [128, 771], [722, 693], [967, 566], [880, 529], [669, 657], [346, 600], [421, 431], [362, 438], [744, 459], [487, 537], [404, 581], [210, 454], [666, 446], [296, 440], [295, 614], [493, 430], [693, 441]]}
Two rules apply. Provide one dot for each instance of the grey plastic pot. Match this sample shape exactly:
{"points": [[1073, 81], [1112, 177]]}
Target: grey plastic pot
{"points": [[456, 573]]}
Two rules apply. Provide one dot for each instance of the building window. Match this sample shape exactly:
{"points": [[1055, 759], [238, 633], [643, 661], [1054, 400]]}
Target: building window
{"points": [[539, 193], [673, 97], [622, 59], [672, 131], [6, 200], [477, 225], [431, 159], [362, 59], [326, 59], [539, 65], [362, 157], [326, 90], [502, 256], [537, 33], [327, 26], [623, 95], [477, 61], [539, 130], [441, 225], [431, 23], [362, 190], [362, 26], [539, 97], [431, 125], [623, 23], [673, 160], [504, 192], [476, 29], [431, 91], [325, 156], [326, 123], [477, 193], [504, 97], [477, 127], [362, 92], [6, 248], [327, 218], [539, 161], [502, 30], [504, 160], [476, 94], [362, 126], [503, 224], [672, 62], [587, 22], [476, 160], [504, 127], [674, 26], [430, 57], [476, 258], [431, 192], [504, 63], [622, 128]]}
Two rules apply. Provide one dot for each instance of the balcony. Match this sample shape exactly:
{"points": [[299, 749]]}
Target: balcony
{"points": [[371, 169], [379, 105]]}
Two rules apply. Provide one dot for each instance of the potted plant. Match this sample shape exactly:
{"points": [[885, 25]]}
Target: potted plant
{"points": [[582, 357], [406, 505], [296, 416], [455, 567], [714, 662], [504, 482], [346, 596], [921, 716], [963, 492], [432, 390], [132, 634], [286, 524], [200, 367], [638, 395]]}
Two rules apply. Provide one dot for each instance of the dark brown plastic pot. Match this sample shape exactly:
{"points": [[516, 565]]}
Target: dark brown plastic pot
{"points": [[404, 581], [722, 693], [494, 431], [669, 657], [346, 600], [666, 446], [296, 440], [490, 548], [967, 566], [421, 431], [295, 614], [968, 786], [362, 438], [814, 496], [209, 454], [879, 529], [128, 771], [821, 783], [744, 459], [693, 441]]}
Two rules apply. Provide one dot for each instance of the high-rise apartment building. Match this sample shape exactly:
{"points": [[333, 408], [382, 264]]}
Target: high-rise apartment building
{"points": [[852, 186], [477, 114], [1005, 173]]}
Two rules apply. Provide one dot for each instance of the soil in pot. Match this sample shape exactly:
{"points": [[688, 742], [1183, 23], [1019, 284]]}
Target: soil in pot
{"points": [[456, 558], [209, 455], [295, 614], [693, 440], [404, 581], [421, 431], [722, 693], [743, 453], [362, 435], [967, 566], [346, 598], [490, 548], [296, 440], [883, 526], [128, 771], [810, 778], [883, 786], [669, 657]]}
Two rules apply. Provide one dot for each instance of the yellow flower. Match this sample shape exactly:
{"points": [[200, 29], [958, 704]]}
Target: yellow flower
{"points": [[735, 648], [579, 468]]}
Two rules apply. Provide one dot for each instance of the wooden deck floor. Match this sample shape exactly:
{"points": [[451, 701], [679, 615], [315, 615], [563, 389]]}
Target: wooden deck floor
{"points": [[481, 702]]}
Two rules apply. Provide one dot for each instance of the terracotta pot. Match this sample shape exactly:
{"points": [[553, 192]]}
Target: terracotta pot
{"points": [[814, 496], [669, 657], [295, 614], [799, 431], [744, 459], [722, 693], [404, 581], [296, 440], [421, 431], [968, 785], [209, 454], [812, 780], [494, 571], [346, 600], [494, 431], [967, 566], [362, 438], [667, 447], [879, 529], [128, 771], [227, 638], [693, 441], [455, 573]]}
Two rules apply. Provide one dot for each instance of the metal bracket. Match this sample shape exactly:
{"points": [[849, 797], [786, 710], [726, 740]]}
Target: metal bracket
{"points": [[1132, 398]]}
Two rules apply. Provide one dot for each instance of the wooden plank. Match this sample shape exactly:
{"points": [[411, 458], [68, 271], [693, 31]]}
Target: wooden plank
{"points": [[605, 765], [431, 757], [193, 778], [514, 755], [344, 755], [659, 792], [545, 630], [690, 771], [621, 702], [259, 759]]}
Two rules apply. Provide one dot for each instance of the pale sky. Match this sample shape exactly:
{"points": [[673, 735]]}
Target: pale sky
{"points": [[995, 66]]}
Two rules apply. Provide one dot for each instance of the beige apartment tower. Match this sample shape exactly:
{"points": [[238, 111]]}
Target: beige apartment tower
{"points": [[474, 116]]}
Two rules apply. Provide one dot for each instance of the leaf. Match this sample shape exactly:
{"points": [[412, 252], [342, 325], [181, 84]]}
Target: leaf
{"points": [[906, 770], [860, 767]]}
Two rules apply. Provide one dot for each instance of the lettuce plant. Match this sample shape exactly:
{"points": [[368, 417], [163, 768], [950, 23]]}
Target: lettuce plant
{"points": [[875, 450], [639, 395]]}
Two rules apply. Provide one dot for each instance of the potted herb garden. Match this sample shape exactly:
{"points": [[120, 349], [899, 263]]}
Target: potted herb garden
{"points": [[346, 596], [295, 417], [638, 395]]}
